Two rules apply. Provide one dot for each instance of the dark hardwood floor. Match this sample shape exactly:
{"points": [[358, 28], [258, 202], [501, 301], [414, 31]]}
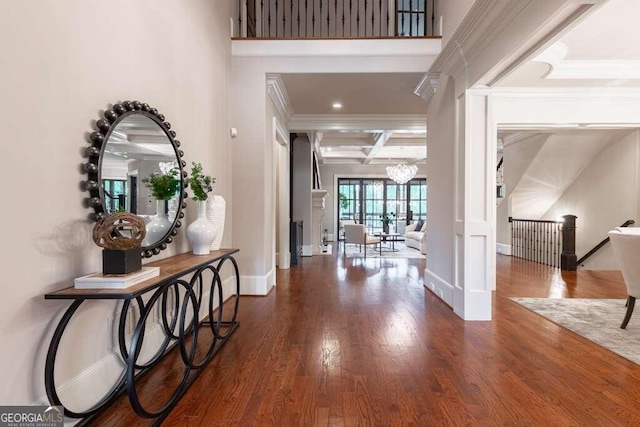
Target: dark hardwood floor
{"points": [[358, 342]]}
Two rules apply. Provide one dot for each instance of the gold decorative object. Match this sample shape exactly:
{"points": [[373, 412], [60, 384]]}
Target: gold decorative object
{"points": [[119, 231]]}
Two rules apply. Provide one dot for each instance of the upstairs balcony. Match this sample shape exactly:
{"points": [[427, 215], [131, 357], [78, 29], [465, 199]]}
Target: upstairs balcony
{"points": [[335, 19]]}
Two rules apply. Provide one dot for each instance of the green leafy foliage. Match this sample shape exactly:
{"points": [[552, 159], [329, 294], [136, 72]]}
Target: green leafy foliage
{"points": [[200, 183], [344, 201], [163, 186], [386, 219]]}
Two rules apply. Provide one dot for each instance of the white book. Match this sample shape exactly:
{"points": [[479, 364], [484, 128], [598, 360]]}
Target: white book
{"points": [[115, 281]]}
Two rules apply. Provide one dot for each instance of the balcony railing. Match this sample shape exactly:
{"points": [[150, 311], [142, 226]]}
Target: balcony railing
{"points": [[334, 19]]}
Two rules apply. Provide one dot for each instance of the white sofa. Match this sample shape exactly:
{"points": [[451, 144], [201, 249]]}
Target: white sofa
{"points": [[416, 239]]}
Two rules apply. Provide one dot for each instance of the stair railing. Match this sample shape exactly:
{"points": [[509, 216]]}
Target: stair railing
{"points": [[537, 240], [344, 19], [597, 247]]}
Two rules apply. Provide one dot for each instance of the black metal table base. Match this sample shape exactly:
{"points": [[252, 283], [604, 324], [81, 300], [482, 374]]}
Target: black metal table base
{"points": [[181, 334]]}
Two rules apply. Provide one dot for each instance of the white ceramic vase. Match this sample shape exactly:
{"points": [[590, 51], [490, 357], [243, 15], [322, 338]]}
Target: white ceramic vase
{"points": [[216, 213], [201, 232], [159, 225]]}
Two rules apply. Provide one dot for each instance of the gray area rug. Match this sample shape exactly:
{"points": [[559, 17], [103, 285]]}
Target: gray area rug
{"points": [[402, 251], [597, 320]]}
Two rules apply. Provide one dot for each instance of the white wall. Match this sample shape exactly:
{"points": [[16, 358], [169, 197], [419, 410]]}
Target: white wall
{"points": [[517, 158], [329, 175], [605, 195], [63, 64], [560, 160]]}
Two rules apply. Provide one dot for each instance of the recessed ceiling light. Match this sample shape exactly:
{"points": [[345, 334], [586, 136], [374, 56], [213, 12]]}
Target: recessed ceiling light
{"points": [[337, 105]]}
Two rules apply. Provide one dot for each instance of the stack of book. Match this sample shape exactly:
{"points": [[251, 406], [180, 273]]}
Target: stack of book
{"points": [[115, 281]]}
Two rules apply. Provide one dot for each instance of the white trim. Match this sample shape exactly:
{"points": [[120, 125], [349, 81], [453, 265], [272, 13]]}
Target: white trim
{"points": [[488, 21], [438, 286], [595, 69], [337, 48], [503, 249], [256, 285], [427, 86], [307, 250], [278, 94], [374, 122], [474, 35], [566, 93], [283, 261]]}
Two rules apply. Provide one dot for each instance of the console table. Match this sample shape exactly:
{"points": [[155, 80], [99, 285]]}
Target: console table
{"points": [[186, 296]]}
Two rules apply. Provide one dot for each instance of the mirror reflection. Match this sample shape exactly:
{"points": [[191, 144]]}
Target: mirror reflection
{"points": [[139, 174]]}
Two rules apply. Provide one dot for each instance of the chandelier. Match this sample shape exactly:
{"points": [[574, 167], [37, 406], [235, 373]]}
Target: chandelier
{"points": [[402, 173]]}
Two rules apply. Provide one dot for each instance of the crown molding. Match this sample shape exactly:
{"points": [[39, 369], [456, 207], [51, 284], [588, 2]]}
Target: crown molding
{"points": [[357, 122], [278, 94], [480, 26], [427, 86], [488, 20], [594, 69], [575, 94]]}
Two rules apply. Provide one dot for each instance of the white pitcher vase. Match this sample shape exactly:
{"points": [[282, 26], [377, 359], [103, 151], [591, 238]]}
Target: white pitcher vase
{"points": [[159, 226], [201, 232]]}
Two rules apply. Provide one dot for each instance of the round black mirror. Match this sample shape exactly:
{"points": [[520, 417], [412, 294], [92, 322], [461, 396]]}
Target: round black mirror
{"points": [[135, 166]]}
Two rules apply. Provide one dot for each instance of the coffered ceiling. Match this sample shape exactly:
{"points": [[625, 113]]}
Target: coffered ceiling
{"points": [[380, 119]]}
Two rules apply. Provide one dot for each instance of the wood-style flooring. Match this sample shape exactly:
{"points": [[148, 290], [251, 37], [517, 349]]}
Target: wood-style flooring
{"points": [[353, 342]]}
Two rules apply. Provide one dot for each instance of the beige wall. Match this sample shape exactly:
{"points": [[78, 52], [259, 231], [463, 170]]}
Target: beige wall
{"points": [[441, 112], [64, 62], [451, 12]]}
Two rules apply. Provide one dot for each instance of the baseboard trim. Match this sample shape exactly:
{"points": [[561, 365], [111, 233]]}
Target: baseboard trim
{"points": [[307, 250], [503, 249], [438, 286], [257, 285]]}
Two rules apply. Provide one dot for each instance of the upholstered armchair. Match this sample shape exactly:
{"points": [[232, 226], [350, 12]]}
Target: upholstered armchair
{"points": [[626, 247], [356, 234]]}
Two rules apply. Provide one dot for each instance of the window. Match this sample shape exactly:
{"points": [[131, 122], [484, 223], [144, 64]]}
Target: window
{"points": [[365, 200], [115, 195]]}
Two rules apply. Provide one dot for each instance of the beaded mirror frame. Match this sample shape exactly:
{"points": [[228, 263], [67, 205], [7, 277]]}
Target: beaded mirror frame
{"points": [[92, 168]]}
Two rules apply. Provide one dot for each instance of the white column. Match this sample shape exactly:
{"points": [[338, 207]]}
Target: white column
{"points": [[474, 206], [317, 219]]}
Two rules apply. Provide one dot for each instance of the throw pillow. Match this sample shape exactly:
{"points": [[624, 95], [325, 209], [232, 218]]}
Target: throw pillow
{"points": [[424, 227], [419, 225]]}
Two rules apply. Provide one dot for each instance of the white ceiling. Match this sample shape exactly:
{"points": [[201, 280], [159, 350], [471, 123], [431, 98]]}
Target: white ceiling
{"points": [[383, 96], [601, 51]]}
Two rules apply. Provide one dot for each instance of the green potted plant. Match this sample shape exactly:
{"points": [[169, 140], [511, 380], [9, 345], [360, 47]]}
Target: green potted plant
{"points": [[386, 219], [164, 185]]}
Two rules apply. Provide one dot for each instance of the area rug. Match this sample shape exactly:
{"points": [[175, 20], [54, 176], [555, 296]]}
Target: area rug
{"points": [[402, 251], [597, 320]]}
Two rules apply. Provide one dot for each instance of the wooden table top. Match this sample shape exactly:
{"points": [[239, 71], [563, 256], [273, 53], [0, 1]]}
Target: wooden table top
{"points": [[170, 268]]}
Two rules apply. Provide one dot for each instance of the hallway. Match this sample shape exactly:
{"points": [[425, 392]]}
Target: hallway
{"points": [[353, 342]]}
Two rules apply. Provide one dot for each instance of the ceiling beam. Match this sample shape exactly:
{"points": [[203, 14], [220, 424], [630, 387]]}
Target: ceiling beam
{"points": [[358, 122], [380, 141]]}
